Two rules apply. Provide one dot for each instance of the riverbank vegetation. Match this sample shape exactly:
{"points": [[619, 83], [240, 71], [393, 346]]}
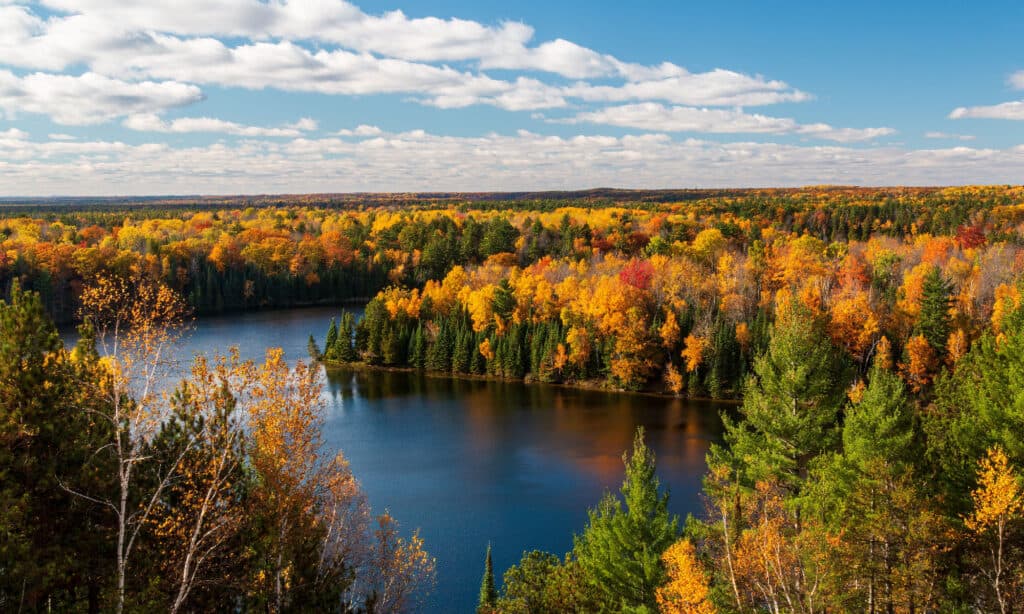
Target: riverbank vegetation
{"points": [[124, 490], [822, 497]]}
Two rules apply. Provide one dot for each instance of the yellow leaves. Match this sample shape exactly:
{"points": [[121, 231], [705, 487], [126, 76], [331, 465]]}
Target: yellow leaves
{"points": [[486, 350], [693, 351], [956, 346], [480, 304], [673, 379], [707, 244], [399, 300], [669, 330], [998, 497], [743, 335], [580, 345], [1007, 300], [686, 591]]}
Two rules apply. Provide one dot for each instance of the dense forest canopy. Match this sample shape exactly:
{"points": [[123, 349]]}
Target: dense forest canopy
{"points": [[875, 339]]}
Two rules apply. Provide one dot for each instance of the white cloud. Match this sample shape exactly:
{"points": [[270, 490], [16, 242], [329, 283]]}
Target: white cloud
{"points": [[89, 98], [60, 136], [153, 123], [353, 54], [1016, 80], [1006, 110], [361, 130], [421, 161], [656, 117], [947, 135]]}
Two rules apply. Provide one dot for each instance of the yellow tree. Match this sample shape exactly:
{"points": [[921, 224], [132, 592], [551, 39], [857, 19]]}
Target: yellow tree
{"points": [[998, 503], [201, 510], [138, 322], [686, 591]]}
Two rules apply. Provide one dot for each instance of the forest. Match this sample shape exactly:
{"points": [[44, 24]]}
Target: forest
{"points": [[123, 490], [872, 338]]}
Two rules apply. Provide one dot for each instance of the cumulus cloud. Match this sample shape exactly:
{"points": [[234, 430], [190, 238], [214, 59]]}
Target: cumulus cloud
{"points": [[947, 135], [421, 161], [1006, 110], [1016, 80], [332, 47], [657, 117], [152, 123], [88, 98]]}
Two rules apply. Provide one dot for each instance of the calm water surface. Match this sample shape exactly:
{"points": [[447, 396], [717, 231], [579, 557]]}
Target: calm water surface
{"points": [[470, 462]]}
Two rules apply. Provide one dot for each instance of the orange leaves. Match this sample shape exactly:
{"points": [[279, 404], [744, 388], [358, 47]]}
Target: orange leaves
{"points": [[921, 363], [686, 591], [853, 324], [693, 351]]}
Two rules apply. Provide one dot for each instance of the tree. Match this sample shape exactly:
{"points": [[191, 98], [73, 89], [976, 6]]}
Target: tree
{"points": [[137, 321], [790, 405], [620, 549], [885, 533], [541, 584], [488, 592], [331, 343], [933, 322], [998, 506], [53, 545], [686, 591], [201, 513]]}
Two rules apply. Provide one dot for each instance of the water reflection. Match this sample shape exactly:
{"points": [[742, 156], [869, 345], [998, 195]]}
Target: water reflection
{"points": [[476, 461]]}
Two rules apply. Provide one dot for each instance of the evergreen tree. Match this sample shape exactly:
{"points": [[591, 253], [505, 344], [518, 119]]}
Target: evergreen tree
{"points": [[934, 321], [345, 344], [54, 546], [488, 592], [620, 550], [418, 348], [790, 405], [331, 343]]}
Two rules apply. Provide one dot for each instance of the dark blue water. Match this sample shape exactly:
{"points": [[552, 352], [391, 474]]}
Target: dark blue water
{"points": [[470, 462]]}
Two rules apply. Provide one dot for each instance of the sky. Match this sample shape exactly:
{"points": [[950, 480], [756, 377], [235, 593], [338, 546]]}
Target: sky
{"points": [[107, 97]]}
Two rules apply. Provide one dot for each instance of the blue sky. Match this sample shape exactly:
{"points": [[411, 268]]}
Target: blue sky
{"points": [[247, 96]]}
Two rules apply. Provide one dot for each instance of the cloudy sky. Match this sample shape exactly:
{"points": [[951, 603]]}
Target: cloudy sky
{"points": [[109, 97]]}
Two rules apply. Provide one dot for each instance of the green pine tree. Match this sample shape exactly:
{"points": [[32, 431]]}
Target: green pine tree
{"points": [[790, 405], [934, 321], [620, 550], [330, 344], [345, 348], [488, 591]]}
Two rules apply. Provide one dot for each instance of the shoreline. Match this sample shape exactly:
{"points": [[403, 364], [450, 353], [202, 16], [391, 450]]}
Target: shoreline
{"points": [[590, 385]]}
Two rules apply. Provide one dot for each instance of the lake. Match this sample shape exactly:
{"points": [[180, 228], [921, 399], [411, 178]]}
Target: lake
{"points": [[472, 462]]}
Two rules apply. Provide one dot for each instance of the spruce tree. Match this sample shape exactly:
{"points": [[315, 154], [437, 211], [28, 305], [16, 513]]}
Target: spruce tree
{"points": [[934, 322], [488, 591], [345, 348], [620, 549], [330, 344]]}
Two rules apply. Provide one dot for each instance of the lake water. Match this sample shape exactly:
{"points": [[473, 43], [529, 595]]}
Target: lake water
{"points": [[470, 462]]}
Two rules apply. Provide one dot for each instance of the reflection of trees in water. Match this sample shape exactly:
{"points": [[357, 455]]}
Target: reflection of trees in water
{"points": [[584, 429]]}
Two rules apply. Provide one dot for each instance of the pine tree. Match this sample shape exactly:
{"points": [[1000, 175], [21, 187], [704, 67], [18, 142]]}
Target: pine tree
{"points": [[345, 347], [331, 343], [620, 550], [790, 405], [54, 546], [488, 591], [934, 320]]}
